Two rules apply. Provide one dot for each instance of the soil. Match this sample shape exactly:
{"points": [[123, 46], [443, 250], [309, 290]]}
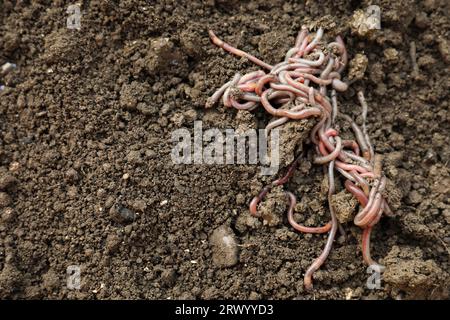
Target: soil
{"points": [[86, 176]]}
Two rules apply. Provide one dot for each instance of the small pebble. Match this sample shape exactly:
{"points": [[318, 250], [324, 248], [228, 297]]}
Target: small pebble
{"points": [[224, 247], [8, 215], [7, 68], [7, 181], [72, 175], [121, 214], [5, 200]]}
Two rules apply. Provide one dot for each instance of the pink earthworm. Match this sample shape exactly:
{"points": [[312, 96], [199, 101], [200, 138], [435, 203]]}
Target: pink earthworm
{"points": [[331, 156], [364, 216], [339, 85], [303, 46], [347, 175], [304, 89], [357, 192], [301, 36], [287, 87], [366, 249], [250, 97], [359, 135], [314, 42], [226, 95], [368, 214], [351, 167], [362, 182], [303, 79], [329, 67], [364, 106], [289, 66], [313, 63], [334, 225], [254, 203], [216, 96], [319, 81], [247, 87], [242, 106], [282, 120], [252, 76], [225, 46], [306, 113], [299, 227], [262, 82], [351, 144]]}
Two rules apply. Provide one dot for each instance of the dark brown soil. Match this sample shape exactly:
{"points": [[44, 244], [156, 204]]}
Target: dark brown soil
{"points": [[86, 176]]}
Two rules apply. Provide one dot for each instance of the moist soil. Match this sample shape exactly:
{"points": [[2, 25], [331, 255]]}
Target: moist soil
{"points": [[86, 176]]}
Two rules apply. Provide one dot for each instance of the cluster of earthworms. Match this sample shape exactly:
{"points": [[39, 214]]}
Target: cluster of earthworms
{"points": [[302, 86]]}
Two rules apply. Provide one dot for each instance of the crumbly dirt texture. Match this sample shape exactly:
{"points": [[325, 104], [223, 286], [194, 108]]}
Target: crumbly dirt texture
{"points": [[86, 176]]}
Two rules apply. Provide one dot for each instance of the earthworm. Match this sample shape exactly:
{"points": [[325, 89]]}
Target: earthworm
{"points": [[311, 99], [339, 85], [334, 225], [282, 120], [324, 138], [362, 182], [303, 46], [243, 106], [254, 203], [359, 135], [226, 95], [289, 172], [370, 214], [303, 78], [250, 97], [300, 37], [287, 87], [334, 110], [313, 135], [290, 53], [365, 216], [350, 167], [285, 113], [366, 249], [328, 69], [315, 41], [247, 87], [299, 227], [314, 63], [217, 95], [377, 165], [357, 192], [302, 90], [253, 207], [225, 46], [319, 81], [386, 209], [346, 174], [284, 66], [263, 81], [364, 106], [351, 144], [333, 155], [361, 161], [252, 76]]}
